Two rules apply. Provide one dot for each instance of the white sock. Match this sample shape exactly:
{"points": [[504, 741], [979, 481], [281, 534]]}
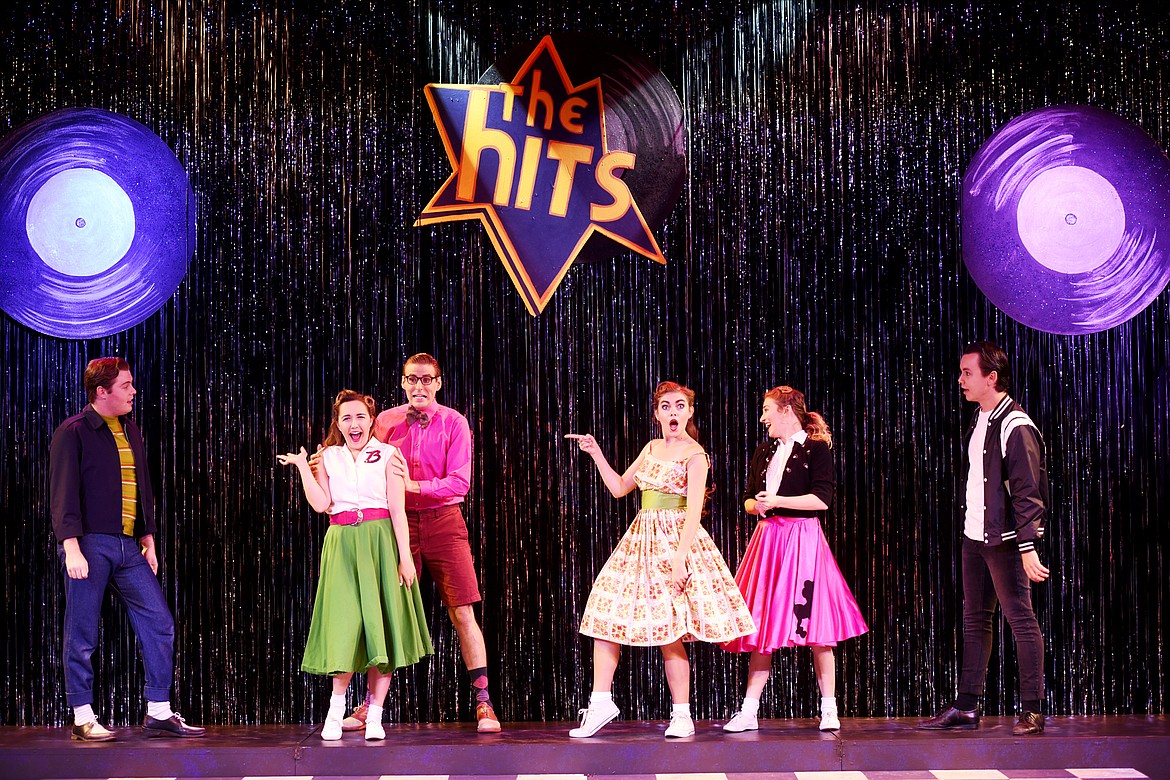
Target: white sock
{"points": [[680, 709], [83, 714], [599, 696], [374, 714], [159, 710], [750, 706], [828, 704]]}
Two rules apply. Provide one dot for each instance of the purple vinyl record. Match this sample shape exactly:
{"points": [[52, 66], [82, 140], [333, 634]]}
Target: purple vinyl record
{"points": [[1066, 217], [97, 223]]}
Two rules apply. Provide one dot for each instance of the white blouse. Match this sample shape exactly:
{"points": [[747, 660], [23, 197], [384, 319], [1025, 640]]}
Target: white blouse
{"points": [[780, 460], [361, 483]]}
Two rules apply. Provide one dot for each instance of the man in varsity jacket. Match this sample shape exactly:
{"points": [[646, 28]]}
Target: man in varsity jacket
{"points": [[1005, 508]]}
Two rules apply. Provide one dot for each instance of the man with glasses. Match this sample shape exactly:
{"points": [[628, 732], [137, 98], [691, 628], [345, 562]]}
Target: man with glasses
{"points": [[435, 460]]}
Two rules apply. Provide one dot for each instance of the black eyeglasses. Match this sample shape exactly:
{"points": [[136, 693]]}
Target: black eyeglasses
{"points": [[414, 380]]}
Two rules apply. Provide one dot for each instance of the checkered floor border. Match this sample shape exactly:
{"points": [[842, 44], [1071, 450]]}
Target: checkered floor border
{"points": [[903, 774]]}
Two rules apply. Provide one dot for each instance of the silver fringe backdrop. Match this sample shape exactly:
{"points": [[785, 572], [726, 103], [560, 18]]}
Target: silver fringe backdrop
{"points": [[816, 245]]}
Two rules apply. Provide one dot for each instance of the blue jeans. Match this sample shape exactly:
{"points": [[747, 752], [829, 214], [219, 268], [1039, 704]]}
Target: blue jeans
{"points": [[117, 562], [995, 576]]}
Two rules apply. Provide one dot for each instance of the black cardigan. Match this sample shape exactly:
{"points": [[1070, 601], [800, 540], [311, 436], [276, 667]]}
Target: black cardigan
{"points": [[809, 470]]}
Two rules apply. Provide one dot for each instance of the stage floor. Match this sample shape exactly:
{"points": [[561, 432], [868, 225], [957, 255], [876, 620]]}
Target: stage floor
{"points": [[864, 749]]}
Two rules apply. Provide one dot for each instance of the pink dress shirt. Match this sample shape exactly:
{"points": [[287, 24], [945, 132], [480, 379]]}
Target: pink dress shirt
{"points": [[438, 456]]}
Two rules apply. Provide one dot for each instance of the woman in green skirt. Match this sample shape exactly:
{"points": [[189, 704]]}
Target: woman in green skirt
{"points": [[368, 614]]}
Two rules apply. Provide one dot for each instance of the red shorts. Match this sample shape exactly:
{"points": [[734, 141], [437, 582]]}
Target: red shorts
{"points": [[438, 542]]}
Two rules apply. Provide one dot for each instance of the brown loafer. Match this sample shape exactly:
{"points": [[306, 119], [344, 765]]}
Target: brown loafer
{"points": [[953, 719], [92, 732], [1029, 723], [487, 722]]}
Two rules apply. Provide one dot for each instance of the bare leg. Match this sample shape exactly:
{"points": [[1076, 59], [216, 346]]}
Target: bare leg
{"points": [[601, 708], [470, 636], [341, 683], [678, 671], [759, 669], [605, 661], [379, 686], [826, 671]]}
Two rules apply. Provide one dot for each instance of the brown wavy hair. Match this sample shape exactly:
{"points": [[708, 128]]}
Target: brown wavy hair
{"points": [[812, 422], [674, 387], [102, 372], [692, 430], [334, 437]]}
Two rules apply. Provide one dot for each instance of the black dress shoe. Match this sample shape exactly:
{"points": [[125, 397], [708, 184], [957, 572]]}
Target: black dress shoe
{"points": [[950, 718], [92, 732], [171, 727], [1029, 723]]}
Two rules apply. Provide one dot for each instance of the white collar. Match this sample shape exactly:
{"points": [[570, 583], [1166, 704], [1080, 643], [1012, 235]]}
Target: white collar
{"points": [[797, 438]]}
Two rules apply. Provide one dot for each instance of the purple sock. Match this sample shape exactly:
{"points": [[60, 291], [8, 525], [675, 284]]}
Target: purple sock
{"points": [[479, 684]]}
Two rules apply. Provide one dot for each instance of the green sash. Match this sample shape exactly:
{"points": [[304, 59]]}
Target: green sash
{"points": [[653, 499]]}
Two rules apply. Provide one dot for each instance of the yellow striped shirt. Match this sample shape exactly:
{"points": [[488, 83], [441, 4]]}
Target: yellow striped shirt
{"points": [[129, 476]]}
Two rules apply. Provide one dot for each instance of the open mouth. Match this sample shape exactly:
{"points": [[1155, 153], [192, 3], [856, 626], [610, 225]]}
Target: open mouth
{"points": [[355, 436], [673, 425]]}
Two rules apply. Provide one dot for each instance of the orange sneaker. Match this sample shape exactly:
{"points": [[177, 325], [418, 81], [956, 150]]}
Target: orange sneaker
{"points": [[357, 719], [487, 722]]}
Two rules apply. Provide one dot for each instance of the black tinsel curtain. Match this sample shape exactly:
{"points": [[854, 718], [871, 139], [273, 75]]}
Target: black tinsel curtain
{"points": [[816, 244]]}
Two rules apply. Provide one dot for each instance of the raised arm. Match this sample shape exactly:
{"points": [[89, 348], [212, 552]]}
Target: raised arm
{"points": [[316, 488], [618, 484]]}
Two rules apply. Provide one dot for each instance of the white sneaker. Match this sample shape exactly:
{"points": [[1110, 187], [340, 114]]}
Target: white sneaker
{"points": [[332, 728], [829, 721], [375, 730], [594, 718], [680, 726], [741, 721]]}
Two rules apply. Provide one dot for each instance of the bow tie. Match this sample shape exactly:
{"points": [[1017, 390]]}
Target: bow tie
{"points": [[415, 416]]}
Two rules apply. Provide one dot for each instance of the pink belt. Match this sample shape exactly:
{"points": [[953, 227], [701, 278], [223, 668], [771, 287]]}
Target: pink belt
{"points": [[357, 516]]}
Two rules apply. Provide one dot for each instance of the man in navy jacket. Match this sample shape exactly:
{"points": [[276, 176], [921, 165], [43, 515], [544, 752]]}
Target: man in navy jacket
{"points": [[103, 518], [1005, 508]]}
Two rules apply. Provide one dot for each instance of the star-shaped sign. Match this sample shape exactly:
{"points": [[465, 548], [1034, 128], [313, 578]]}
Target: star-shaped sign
{"points": [[531, 161]]}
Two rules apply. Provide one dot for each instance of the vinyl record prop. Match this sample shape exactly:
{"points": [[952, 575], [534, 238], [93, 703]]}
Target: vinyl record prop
{"points": [[643, 115], [569, 149], [97, 223], [1066, 219]]}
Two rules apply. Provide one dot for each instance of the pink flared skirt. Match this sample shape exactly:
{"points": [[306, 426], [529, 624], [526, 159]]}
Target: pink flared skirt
{"points": [[793, 588]]}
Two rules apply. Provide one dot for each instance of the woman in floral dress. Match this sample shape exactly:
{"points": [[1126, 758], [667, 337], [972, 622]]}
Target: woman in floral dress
{"points": [[666, 583]]}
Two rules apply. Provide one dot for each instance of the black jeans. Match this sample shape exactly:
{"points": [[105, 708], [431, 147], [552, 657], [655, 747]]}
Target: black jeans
{"points": [[995, 575]]}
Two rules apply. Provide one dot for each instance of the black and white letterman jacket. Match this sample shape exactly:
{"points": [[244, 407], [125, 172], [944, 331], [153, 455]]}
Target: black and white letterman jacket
{"points": [[1015, 477]]}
